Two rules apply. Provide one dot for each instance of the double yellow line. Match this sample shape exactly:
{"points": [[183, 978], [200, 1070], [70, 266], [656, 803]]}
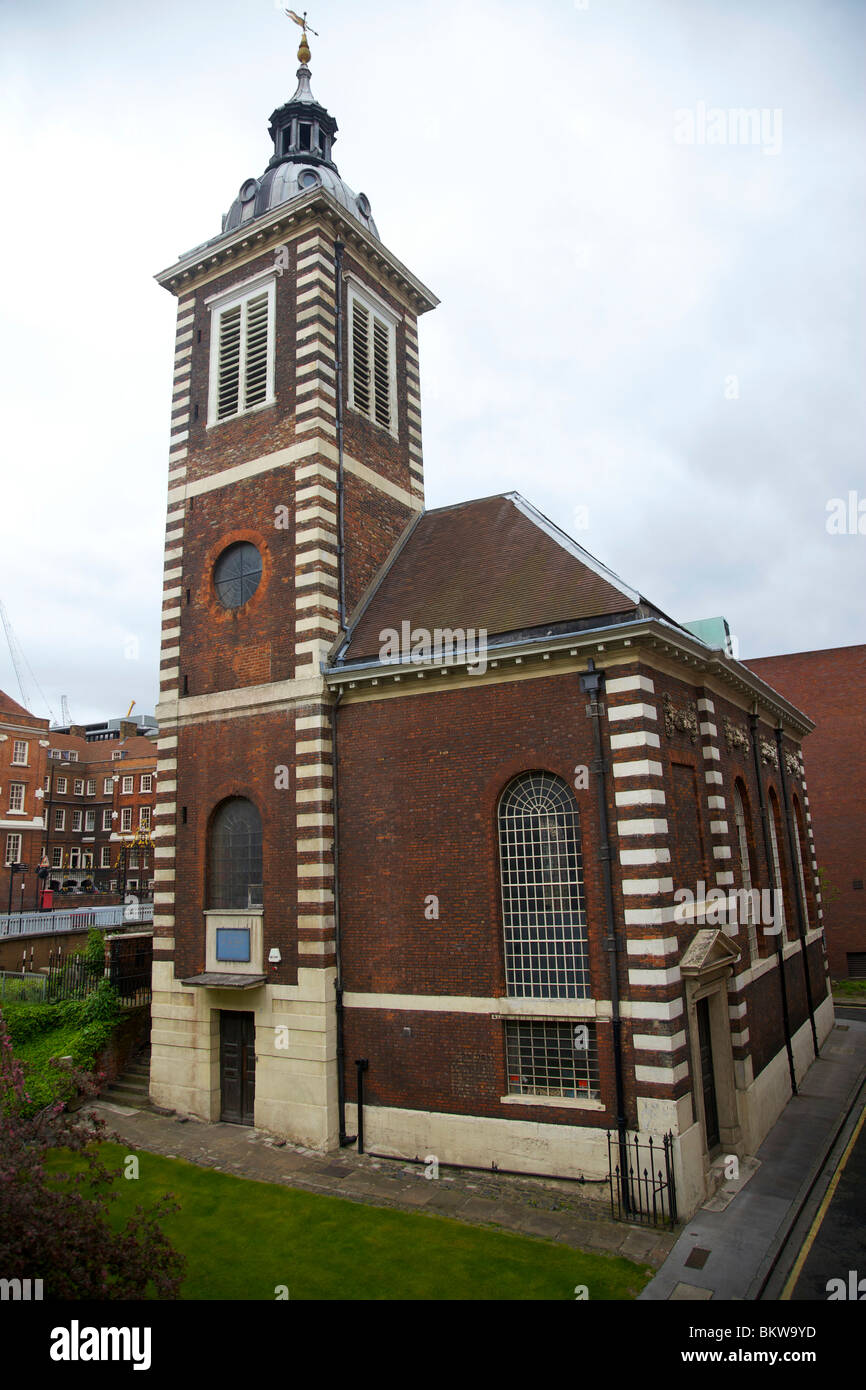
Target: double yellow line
{"points": [[822, 1211]]}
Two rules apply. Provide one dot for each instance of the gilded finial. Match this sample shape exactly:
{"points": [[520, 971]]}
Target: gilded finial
{"points": [[304, 48]]}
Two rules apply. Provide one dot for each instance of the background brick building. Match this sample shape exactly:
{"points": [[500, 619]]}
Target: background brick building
{"points": [[78, 798], [829, 685]]}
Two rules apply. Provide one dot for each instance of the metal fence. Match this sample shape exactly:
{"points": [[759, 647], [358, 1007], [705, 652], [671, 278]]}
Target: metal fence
{"points": [[122, 914], [643, 1186], [22, 987]]}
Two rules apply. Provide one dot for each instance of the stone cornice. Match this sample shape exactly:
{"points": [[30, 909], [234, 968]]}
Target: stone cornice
{"points": [[642, 640], [288, 221]]}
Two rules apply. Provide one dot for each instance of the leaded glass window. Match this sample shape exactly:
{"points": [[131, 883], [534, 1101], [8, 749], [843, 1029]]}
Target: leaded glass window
{"points": [[541, 871], [552, 1058], [236, 574], [235, 859]]}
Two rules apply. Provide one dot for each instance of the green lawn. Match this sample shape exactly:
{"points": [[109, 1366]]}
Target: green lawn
{"points": [[855, 989], [242, 1239]]}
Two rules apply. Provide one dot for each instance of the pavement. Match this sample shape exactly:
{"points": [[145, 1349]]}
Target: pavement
{"points": [[742, 1249]]}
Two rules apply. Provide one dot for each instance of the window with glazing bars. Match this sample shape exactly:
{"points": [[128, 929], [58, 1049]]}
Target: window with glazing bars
{"points": [[552, 1058], [541, 870], [235, 857], [774, 824], [242, 368], [372, 364]]}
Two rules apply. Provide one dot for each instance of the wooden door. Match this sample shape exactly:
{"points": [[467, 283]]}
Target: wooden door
{"points": [[237, 1067], [708, 1079]]}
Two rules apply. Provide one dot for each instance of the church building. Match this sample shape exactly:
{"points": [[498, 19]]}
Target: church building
{"points": [[450, 820]]}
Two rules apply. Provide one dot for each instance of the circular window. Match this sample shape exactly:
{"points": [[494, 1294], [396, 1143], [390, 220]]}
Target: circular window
{"points": [[236, 574], [248, 190], [364, 204], [308, 179]]}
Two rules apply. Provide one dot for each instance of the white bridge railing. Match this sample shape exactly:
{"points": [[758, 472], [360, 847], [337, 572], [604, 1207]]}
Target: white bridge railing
{"points": [[122, 914]]}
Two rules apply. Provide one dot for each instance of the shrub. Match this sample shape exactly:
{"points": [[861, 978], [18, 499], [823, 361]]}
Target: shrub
{"points": [[55, 1229]]}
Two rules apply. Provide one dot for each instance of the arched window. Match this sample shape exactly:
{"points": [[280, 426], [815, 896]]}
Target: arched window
{"points": [[742, 821], [235, 856], [775, 824], [802, 850], [542, 889]]}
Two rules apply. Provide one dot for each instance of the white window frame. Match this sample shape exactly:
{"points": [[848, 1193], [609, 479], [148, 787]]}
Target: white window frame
{"points": [[16, 797], [90, 789], [106, 818], [222, 304], [72, 756], [57, 857], [14, 839], [60, 819], [78, 786], [19, 759], [127, 786], [105, 857], [61, 786], [77, 819], [89, 822], [376, 308], [147, 782], [108, 786], [126, 820], [116, 755], [144, 818]]}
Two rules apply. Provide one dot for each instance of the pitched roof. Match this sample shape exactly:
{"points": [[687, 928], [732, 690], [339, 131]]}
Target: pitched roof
{"points": [[495, 564]]}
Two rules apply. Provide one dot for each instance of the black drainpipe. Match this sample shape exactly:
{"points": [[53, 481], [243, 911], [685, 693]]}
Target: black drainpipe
{"points": [[798, 886], [362, 1064], [768, 855], [338, 954], [338, 365], [592, 684]]}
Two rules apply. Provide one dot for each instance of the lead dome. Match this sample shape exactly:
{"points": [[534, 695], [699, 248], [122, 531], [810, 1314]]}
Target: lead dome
{"points": [[303, 133]]}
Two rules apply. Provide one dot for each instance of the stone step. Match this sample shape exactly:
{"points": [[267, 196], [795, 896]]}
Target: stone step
{"points": [[120, 1095]]}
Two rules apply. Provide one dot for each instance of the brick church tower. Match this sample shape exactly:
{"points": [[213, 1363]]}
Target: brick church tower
{"points": [[295, 467]]}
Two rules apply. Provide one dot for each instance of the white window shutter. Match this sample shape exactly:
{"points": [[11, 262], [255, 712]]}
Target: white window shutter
{"points": [[256, 365]]}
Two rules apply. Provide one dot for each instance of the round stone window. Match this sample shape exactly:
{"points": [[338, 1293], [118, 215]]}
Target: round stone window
{"points": [[308, 179], [236, 574]]}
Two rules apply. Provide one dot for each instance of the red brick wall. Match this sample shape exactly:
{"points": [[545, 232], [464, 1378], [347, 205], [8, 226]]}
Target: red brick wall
{"points": [[828, 686], [236, 757]]}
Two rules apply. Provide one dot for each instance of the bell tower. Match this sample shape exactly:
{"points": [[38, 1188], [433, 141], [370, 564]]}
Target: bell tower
{"points": [[295, 466]]}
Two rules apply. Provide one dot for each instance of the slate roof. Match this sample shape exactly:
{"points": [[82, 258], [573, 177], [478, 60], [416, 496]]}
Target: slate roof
{"points": [[495, 563]]}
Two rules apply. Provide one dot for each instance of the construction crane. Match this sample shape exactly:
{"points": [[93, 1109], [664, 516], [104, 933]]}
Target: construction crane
{"points": [[19, 661], [64, 710], [131, 708]]}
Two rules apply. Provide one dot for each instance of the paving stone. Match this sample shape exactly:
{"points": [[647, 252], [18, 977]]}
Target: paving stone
{"points": [[534, 1222], [478, 1209], [445, 1199], [685, 1293], [638, 1244]]}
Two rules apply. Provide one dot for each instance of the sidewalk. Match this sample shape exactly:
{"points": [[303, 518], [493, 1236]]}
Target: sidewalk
{"points": [[571, 1213], [728, 1254]]}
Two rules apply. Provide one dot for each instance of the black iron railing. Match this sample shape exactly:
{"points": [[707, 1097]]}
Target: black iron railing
{"points": [[643, 1186]]}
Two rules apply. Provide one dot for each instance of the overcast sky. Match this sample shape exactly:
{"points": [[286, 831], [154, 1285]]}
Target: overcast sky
{"points": [[636, 319]]}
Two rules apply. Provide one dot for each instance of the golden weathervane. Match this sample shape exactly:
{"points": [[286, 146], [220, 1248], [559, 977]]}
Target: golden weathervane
{"points": [[304, 49]]}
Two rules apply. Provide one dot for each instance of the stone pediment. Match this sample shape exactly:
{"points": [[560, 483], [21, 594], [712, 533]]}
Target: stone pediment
{"points": [[708, 949]]}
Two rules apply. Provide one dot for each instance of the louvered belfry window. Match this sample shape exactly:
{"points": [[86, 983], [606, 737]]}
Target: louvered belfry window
{"points": [[372, 350], [242, 368]]}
